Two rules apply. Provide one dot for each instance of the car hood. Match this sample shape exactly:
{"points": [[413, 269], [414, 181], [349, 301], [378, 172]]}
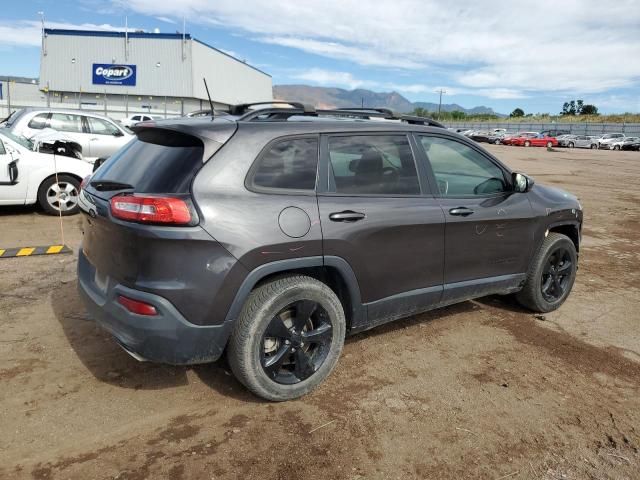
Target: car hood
{"points": [[556, 196]]}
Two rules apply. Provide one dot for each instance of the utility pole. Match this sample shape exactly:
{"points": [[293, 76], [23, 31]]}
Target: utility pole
{"points": [[44, 45], [441, 91], [362, 102], [9, 95]]}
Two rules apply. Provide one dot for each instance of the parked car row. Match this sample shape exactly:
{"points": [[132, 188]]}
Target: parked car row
{"points": [[553, 138]]}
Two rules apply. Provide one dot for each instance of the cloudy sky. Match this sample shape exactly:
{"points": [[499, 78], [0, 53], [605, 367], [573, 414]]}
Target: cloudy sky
{"points": [[502, 54]]}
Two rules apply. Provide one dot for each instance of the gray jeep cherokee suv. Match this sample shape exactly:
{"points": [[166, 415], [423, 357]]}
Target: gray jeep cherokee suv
{"points": [[273, 233]]}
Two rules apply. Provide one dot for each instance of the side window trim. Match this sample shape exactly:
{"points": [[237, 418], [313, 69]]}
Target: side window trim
{"points": [[326, 181], [432, 177], [248, 181]]}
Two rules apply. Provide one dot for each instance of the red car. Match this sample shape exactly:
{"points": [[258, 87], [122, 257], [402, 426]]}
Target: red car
{"points": [[535, 141], [509, 139]]}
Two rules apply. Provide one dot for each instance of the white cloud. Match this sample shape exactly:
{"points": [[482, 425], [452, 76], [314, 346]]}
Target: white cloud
{"points": [[167, 20], [322, 77], [500, 48], [318, 76], [28, 33]]}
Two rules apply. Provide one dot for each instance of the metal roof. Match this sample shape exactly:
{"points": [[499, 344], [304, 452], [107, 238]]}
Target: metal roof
{"points": [[136, 34]]}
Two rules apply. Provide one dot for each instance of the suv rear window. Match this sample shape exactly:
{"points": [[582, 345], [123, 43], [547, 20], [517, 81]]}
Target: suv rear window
{"points": [[158, 161], [289, 164]]}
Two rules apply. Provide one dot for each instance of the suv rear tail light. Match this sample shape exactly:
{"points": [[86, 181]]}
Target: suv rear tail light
{"points": [[136, 306], [166, 210]]}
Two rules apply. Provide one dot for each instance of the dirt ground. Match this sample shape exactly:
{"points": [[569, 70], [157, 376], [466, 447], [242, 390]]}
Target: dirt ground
{"points": [[478, 390]]}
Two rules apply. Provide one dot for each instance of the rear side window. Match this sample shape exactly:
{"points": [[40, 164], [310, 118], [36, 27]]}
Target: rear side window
{"points": [[289, 164], [39, 121], [65, 122], [2, 150], [372, 165], [159, 161]]}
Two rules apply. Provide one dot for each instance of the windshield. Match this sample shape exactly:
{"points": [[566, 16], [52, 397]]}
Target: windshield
{"points": [[25, 142]]}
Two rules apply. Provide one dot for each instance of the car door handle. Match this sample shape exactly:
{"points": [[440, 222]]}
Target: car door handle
{"points": [[95, 139], [461, 211], [346, 216]]}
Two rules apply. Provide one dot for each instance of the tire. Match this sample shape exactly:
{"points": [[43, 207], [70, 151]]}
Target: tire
{"points": [[276, 307], [496, 142], [571, 145], [594, 146], [549, 144], [69, 189], [527, 143], [556, 248], [616, 147]]}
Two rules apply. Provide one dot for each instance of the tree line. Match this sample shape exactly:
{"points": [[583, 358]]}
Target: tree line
{"points": [[572, 107]]}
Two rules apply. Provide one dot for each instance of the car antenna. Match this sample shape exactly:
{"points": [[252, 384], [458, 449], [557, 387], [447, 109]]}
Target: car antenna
{"points": [[208, 95]]}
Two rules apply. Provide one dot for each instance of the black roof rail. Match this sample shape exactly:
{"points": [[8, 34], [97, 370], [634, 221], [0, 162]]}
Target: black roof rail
{"points": [[283, 113], [242, 108], [386, 111]]}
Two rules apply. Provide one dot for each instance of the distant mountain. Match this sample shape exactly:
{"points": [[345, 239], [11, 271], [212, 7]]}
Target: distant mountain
{"points": [[328, 97]]}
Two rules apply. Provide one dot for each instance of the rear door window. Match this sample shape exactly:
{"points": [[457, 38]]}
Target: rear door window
{"points": [[65, 122], [289, 164], [372, 165]]}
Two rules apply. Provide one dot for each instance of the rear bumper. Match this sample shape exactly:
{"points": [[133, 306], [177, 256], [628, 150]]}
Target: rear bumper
{"points": [[165, 338]]}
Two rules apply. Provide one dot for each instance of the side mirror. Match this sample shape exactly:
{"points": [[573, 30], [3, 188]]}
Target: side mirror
{"points": [[521, 182], [118, 133]]}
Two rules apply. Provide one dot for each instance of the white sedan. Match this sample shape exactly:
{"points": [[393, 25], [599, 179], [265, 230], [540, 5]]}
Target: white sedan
{"points": [[27, 177], [131, 120]]}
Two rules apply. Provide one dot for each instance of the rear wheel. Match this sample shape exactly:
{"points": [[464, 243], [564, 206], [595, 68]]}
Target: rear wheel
{"points": [[594, 146], [551, 274], [59, 196], [527, 143], [549, 144], [288, 337], [616, 147], [571, 145]]}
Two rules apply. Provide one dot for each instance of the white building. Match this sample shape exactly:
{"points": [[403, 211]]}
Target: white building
{"points": [[133, 71]]}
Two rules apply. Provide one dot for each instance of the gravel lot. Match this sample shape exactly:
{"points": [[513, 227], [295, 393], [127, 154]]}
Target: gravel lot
{"points": [[478, 390]]}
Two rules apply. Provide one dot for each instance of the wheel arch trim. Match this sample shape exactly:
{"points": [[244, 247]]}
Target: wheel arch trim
{"points": [[283, 266]]}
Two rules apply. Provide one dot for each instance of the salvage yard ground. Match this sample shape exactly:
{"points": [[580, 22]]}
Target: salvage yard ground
{"points": [[478, 390]]}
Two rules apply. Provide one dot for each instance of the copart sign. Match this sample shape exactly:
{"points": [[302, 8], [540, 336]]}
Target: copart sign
{"points": [[110, 74]]}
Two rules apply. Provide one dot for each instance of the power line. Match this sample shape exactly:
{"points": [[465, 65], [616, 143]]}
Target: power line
{"points": [[441, 92]]}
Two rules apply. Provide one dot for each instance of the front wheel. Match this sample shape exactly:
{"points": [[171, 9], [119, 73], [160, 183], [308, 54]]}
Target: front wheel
{"points": [[59, 196], [571, 145], [288, 338], [527, 143], [551, 275], [616, 147], [549, 144], [594, 146]]}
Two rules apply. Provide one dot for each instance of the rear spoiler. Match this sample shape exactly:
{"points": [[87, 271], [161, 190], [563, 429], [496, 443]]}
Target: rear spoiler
{"points": [[211, 135]]}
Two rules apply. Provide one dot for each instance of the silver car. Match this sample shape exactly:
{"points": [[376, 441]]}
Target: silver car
{"points": [[99, 136], [581, 141]]}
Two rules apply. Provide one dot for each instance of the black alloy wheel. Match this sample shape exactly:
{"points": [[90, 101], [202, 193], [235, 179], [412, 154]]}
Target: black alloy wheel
{"points": [[296, 342], [556, 275]]}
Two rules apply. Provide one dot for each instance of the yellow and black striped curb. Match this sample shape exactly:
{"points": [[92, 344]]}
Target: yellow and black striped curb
{"points": [[30, 251]]}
